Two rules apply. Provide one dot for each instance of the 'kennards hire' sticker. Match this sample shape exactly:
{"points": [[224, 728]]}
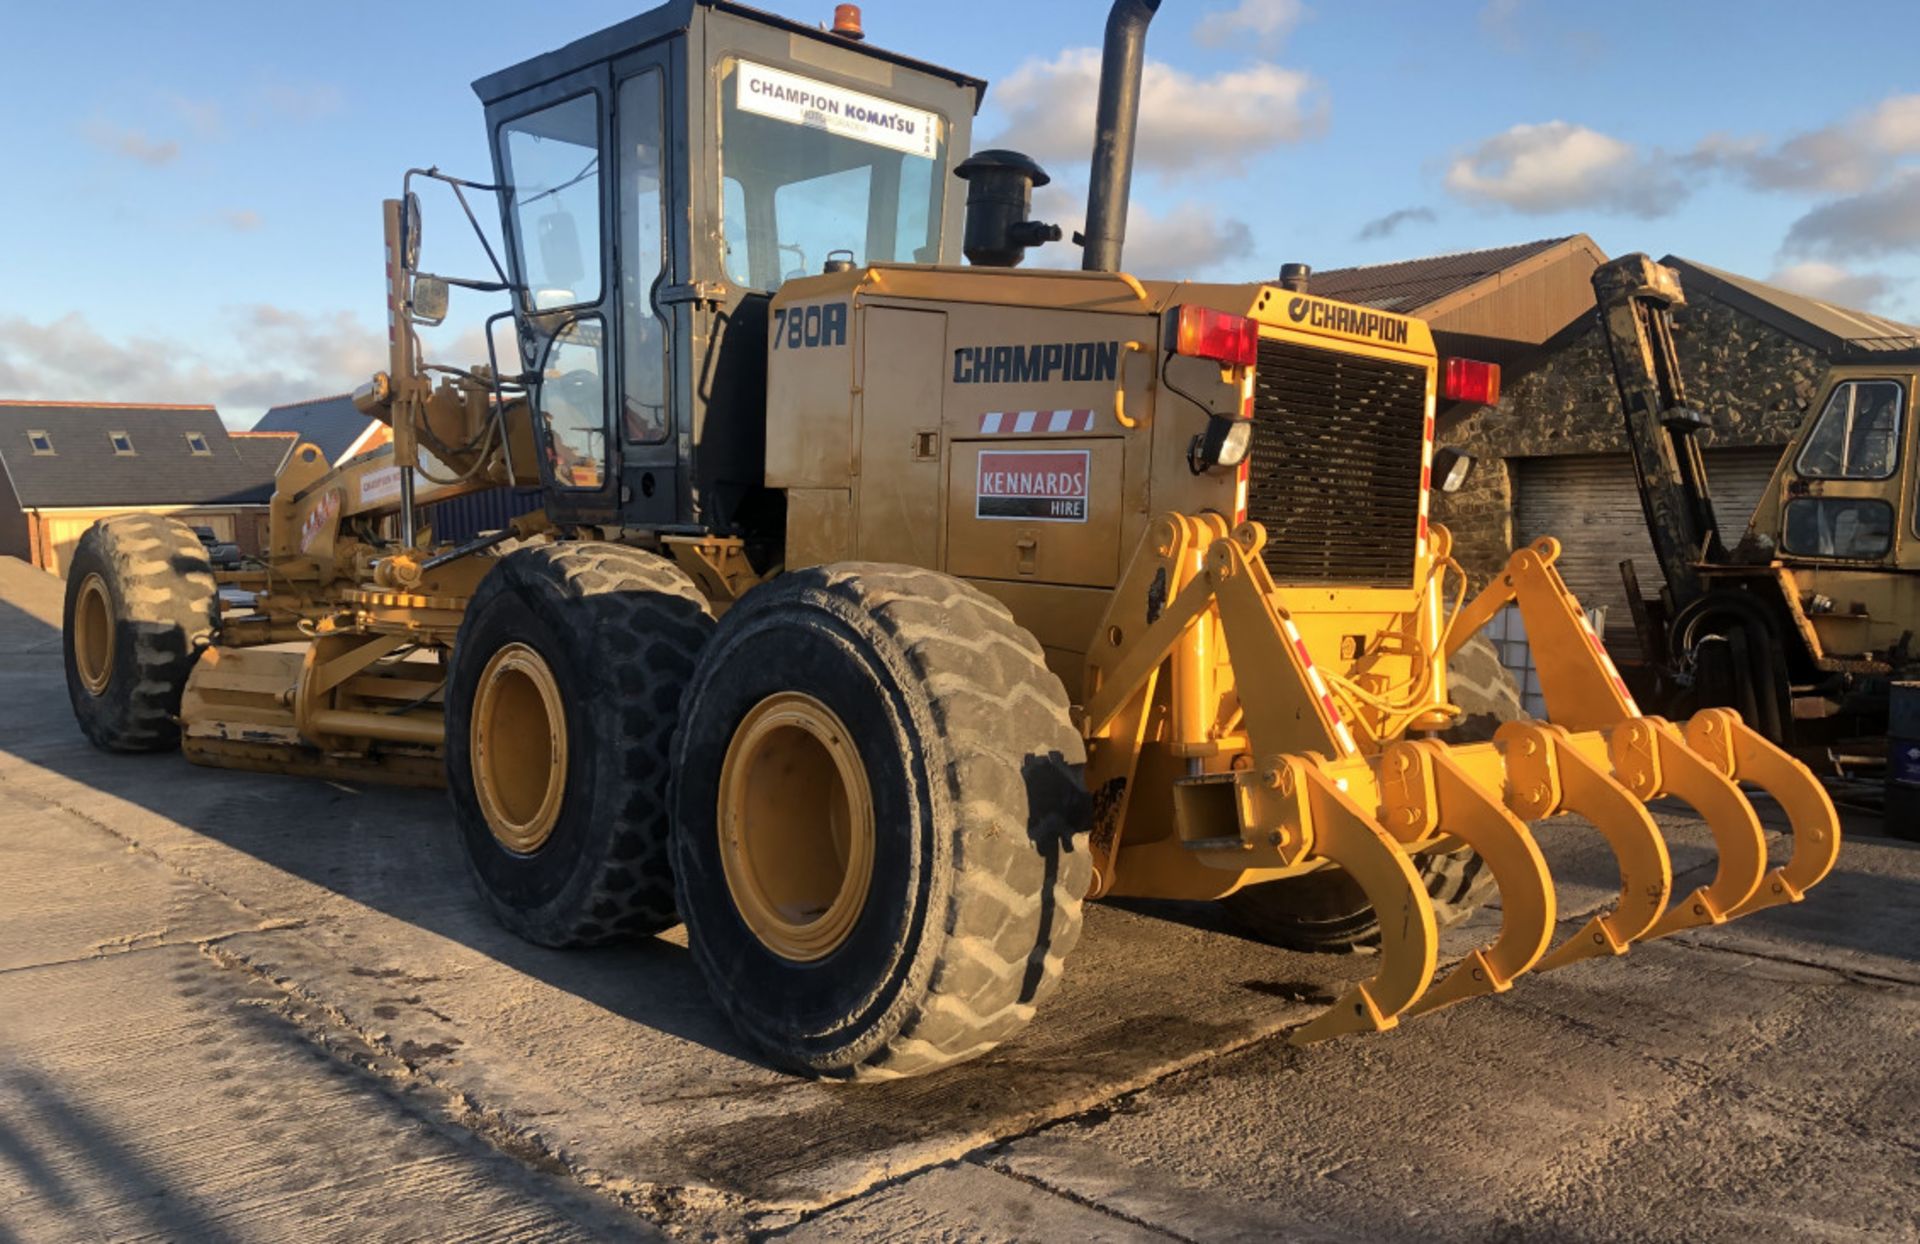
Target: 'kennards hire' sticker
{"points": [[1044, 485]]}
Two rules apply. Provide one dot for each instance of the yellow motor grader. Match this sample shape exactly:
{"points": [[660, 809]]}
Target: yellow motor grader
{"points": [[884, 608]]}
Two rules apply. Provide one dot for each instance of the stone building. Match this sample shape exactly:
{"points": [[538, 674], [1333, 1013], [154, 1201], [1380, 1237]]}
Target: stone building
{"points": [[1551, 458]]}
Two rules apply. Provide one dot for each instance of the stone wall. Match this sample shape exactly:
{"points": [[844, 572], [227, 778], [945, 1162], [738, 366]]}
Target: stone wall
{"points": [[1751, 381]]}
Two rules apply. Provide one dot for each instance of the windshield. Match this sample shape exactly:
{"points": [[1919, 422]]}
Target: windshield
{"points": [[809, 168]]}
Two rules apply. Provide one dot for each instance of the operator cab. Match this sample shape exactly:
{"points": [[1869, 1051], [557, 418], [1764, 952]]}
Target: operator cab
{"points": [[660, 179]]}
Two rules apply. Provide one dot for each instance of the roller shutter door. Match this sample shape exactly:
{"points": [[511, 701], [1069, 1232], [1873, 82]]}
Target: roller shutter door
{"points": [[1590, 504]]}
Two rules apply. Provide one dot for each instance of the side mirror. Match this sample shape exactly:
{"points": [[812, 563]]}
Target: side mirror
{"points": [[560, 250], [427, 304], [410, 233]]}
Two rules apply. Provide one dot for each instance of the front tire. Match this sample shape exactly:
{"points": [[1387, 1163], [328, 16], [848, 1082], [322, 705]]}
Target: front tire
{"points": [[879, 842], [141, 606], [561, 706]]}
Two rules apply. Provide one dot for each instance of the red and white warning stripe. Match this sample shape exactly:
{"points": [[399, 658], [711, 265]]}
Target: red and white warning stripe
{"points": [[1606, 663], [1003, 422], [1426, 476], [1319, 685], [1244, 471]]}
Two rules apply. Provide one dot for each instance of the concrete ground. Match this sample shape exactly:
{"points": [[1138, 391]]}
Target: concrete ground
{"points": [[261, 1008]]}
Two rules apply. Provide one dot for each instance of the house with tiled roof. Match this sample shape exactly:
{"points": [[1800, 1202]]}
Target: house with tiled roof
{"points": [[63, 465]]}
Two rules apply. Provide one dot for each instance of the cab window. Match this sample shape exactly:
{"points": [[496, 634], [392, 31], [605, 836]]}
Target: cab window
{"points": [[552, 158], [573, 406], [643, 260], [1858, 433], [811, 168], [1850, 528]]}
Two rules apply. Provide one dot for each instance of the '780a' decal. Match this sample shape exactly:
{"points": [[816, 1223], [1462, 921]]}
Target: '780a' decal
{"points": [[813, 324]]}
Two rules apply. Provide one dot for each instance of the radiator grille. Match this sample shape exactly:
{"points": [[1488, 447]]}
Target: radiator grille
{"points": [[1335, 465]]}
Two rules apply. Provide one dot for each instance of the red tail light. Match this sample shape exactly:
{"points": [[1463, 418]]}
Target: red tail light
{"points": [[1219, 335], [1467, 380]]}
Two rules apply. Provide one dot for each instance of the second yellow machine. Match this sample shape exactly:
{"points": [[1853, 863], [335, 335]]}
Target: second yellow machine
{"points": [[882, 608]]}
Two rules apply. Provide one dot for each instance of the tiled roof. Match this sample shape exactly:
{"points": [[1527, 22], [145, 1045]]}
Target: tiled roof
{"points": [[264, 452], [85, 469], [1827, 326], [1412, 284], [332, 423]]}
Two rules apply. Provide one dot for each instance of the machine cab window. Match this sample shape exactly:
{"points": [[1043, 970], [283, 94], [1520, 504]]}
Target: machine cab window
{"points": [[1858, 433], [809, 168], [552, 159]]}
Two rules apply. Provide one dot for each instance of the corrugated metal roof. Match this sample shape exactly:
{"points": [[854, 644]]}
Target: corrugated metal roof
{"points": [[1409, 285], [332, 423], [85, 469], [1829, 327]]}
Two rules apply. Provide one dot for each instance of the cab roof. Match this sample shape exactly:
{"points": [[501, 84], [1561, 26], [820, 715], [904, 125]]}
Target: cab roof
{"points": [[672, 18]]}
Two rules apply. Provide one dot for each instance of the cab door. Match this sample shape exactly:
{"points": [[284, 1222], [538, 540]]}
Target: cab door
{"points": [[548, 144]]}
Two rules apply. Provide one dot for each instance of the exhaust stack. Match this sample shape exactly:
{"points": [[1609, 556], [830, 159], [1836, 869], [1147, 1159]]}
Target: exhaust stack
{"points": [[1114, 126]]}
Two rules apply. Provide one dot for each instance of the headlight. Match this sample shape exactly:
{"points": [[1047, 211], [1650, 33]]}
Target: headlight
{"points": [[1239, 439], [1224, 444]]}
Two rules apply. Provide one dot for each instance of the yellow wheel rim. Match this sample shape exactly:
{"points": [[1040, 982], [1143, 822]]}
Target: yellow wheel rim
{"points": [[93, 634], [796, 826], [519, 748]]}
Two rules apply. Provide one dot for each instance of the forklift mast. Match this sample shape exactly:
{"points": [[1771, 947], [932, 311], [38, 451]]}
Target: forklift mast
{"points": [[1636, 298]]}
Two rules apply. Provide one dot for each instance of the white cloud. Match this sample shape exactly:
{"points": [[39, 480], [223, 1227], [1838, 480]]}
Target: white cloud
{"points": [[1264, 23], [1894, 126], [1190, 240], [133, 144], [241, 220], [1186, 122], [1832, 283], [1881, 221], [1558, 166], [1847, 156], [278, 356]]}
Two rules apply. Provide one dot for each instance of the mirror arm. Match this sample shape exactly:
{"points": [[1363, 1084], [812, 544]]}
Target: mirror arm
{"points": [[485, 287], [457, 184]]}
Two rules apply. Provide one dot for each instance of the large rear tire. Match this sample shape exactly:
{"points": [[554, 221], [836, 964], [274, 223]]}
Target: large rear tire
{"points": [[1326, 912], [561, 706], [880, 821], [1483, 689], [141, 607]]}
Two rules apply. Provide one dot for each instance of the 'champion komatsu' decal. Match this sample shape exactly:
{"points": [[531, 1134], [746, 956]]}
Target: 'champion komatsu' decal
{"points": [[1021, 422], [1034, 485]]}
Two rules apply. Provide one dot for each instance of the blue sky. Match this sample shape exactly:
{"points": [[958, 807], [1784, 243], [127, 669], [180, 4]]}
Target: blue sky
{"points": [[194, 188]]}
